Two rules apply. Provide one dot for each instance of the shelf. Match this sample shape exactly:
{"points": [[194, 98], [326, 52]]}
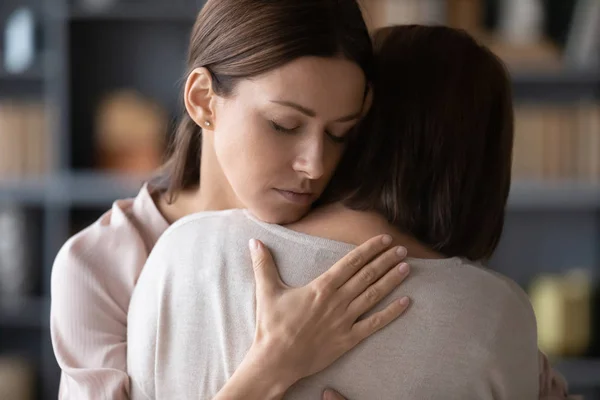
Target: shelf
{"points": [[27, 84], [565, 77], [580, 373], [132, 12], [554, 195], [556, 86], [34, 74], [30, 191], [29, 312], [93, 189]]}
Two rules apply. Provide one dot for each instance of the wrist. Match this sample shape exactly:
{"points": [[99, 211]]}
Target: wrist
{"points": [[258, 377], [264, 368]]}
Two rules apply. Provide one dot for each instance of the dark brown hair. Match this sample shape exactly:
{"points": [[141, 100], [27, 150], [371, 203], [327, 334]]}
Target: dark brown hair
{"points": [[436, 148], [237, 39]]}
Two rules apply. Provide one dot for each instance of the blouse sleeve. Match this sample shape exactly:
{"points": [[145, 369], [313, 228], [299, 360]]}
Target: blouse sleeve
{"points": [[552, 384], [92, 282]]}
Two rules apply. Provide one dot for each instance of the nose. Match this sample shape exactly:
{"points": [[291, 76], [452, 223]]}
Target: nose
{"points": [[309, 160]]}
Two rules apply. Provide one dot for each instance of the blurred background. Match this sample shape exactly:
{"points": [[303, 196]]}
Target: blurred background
{"points": [[89, 92]]}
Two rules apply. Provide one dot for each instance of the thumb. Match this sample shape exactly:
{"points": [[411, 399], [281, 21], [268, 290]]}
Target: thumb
{"points": [[331, 394], [265, 272]]}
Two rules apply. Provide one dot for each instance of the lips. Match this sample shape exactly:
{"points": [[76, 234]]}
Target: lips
{"points": [[297, 197]]}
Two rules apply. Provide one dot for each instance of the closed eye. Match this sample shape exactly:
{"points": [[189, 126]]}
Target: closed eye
{"points": [[283, 129], [337, 139]]}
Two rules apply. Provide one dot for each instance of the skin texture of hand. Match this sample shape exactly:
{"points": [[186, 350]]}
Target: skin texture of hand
{"points": [[301, 331]]}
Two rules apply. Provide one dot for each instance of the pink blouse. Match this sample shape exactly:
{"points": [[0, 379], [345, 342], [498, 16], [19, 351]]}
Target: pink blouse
{"points": [[92, 282]]}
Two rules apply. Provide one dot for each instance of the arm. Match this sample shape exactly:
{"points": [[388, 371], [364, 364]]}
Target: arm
{"points": [[92, 281], [301, 331], [552, 385]]}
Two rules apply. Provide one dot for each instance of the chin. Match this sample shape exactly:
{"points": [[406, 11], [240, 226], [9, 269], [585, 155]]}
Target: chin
{"points": [[279, 215]]}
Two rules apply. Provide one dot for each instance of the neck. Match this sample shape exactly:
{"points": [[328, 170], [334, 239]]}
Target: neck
{"points": [[214, 192]]}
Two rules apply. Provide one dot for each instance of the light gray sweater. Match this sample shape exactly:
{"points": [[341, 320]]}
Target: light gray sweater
{"points": [[470, 333]]}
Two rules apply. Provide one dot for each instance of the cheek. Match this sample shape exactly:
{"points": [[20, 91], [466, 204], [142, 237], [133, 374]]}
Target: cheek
{"points": [[249, 154]]}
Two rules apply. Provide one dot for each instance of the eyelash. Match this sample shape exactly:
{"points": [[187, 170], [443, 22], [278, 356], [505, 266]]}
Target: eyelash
{"points": [[279, 128]]}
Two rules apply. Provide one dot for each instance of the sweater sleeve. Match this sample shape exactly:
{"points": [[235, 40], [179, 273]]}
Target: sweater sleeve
{"points": [[92, 281]]}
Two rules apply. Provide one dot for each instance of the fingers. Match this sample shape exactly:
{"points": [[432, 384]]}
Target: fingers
{"points": [[355, 260], [368, 326], [265, 271], [379, 290], [369, 274], [330, 394]]}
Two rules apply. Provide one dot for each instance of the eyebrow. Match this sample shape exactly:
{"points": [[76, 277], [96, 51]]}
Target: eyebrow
{"points": [[311, 113]]}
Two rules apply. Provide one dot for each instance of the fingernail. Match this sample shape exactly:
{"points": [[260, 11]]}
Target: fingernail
{"points": [[404, 301], [403, 268], [401, 251], [386, 239], [253, 244]]}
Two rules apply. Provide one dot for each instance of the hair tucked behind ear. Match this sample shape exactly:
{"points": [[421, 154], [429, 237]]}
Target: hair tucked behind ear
{"points": [[238, 39]]}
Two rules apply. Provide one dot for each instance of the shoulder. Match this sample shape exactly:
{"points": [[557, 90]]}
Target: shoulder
{"points": [[485, 313], [342, 224], [195, 237], [507, 291], [189, 246], [501, 306], [509, 333], [485, 283], [115, 246], [95, 271], [203, 226], [473, 294]]}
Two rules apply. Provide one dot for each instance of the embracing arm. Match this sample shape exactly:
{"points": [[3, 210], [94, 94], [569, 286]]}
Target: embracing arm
{"points": [[92, 281], [552, 384]]}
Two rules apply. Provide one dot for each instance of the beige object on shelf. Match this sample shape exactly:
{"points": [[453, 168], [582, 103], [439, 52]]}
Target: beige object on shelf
{"points": [[589, 128], [9, 130], [467, 15], [23, 139], [379, 13], [542, 55], [36, 141], [562, 307], [130, 132], [17, 379], [557, 142]]}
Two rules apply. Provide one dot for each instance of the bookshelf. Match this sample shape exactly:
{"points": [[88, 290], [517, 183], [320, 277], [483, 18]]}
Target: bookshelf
{"points": [[558, 196], [85, 53], [134, 12], [72, 192], [28, 312]]}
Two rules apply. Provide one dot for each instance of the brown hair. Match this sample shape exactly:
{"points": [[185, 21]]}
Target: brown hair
{"points": [[237, 39], [435, 156]]}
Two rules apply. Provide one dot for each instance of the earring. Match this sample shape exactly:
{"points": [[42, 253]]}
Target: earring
{"points": [[207, 123]]}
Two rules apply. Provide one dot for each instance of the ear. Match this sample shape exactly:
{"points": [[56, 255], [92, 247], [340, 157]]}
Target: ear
{"points": [[199, 98]]}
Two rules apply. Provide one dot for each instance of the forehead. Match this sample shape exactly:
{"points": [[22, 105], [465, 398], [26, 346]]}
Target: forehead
{"points": [[332, 87]]}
